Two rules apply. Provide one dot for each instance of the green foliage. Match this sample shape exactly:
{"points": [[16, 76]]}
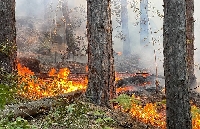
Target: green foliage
{"points": [[8, 78], [162, 102], [8, 84], [103, 120], [70, 116], [7, 48], [125, 101], [195, 112], [78, 115], [70, 108], [19, 123], [6, 95]]}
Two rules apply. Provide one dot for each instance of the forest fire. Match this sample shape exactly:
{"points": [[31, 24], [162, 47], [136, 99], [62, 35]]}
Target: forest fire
{"points": [[124, 89], [57, 83], [149, 114]]}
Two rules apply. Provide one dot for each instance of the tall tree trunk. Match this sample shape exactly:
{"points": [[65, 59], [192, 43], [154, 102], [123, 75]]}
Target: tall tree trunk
{"points": [[100, 53], [7, 36], [144, 22], [190, 41], [125, 30], [70, 40], [175, 65]]}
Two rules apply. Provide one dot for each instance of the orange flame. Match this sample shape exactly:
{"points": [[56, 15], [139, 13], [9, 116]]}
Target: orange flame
{"points": [[58, 83], [148, 114], [126, 88]]}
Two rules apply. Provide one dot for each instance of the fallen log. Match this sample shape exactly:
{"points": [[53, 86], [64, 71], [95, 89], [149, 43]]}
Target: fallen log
{"points": [[33, 108]]}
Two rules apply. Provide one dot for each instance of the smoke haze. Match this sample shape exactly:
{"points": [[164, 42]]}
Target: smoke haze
{"points": [[36, 9]]}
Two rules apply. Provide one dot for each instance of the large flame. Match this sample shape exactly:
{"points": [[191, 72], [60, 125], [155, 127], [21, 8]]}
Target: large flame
{"points": [[58, 83], [151, 114]]}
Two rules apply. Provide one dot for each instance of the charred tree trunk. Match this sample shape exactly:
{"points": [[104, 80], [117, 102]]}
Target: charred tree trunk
{"points": [[175, 65], [100, 53], [190, 41], [7, 36], [144, 22], [125, 30]]}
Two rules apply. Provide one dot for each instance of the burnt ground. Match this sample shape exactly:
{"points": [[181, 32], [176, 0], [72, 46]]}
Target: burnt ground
{"points": [[90, 116], [44, 58], [148, 87], [79, 114], [85, 115]]}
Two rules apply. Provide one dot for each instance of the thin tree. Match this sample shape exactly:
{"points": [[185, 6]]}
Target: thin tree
{"points": [[175, 65], [100, 53], [72, 47], [144, 22], [190, 41], [125, 30], [7, 37]]}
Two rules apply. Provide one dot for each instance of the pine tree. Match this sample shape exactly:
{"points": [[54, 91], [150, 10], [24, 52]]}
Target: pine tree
{"points": [[178, 114], [100, 53]]}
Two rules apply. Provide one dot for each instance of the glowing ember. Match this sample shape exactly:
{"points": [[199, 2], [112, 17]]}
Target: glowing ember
{"points": [[144, 74], [126, 88], [121, 75], [150, 114], [58, 83]]}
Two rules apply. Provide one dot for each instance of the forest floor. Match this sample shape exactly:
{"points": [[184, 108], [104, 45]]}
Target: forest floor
{"points": [[80, 114], [77, 113]]}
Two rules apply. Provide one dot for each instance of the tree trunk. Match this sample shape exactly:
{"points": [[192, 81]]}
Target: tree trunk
{"points": [[125, 30], [7, 36], [190, 41], [100, 53], [70, 40], [175, 65], [144, 22]]}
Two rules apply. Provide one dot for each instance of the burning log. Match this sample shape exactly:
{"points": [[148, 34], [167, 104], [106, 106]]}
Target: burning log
{"points": [[33, 108]]}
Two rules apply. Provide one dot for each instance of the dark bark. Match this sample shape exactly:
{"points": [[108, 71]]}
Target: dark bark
{"points": [[7, 35], [100, 53], [175, 65], [144, 22], [190, 41], [125, 30]]}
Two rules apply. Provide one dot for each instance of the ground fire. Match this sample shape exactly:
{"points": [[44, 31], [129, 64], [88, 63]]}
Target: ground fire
{"points": [[59, 82], [56, 83]]}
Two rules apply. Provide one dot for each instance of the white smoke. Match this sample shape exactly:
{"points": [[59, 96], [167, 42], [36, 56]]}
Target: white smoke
{"points": [[36, 9]]}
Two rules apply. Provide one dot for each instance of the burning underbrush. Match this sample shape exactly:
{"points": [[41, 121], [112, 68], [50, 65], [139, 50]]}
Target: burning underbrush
{"points": [[57, 82], [143, 104]]}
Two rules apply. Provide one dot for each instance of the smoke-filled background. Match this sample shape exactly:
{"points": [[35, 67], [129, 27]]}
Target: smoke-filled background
{"points": [[41, 32]]}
